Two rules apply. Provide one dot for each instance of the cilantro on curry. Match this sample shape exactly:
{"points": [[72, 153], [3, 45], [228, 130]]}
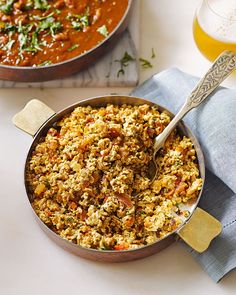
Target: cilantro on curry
{"points": [[44, 32]]}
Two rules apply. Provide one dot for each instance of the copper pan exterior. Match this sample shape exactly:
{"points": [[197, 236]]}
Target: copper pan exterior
{"points": [[113, 256], [68, 67]]}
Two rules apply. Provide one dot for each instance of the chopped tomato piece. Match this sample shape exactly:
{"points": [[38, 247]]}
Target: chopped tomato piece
{"points": [[120, 247], [180, 187], [73, 205]]}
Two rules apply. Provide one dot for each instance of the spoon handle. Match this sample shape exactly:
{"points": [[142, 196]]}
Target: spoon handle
{"points": [[218, 72]]}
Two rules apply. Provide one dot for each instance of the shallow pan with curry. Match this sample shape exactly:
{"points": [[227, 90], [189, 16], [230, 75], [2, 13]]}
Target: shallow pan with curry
{"points": [[197, 229], [49, 39]]}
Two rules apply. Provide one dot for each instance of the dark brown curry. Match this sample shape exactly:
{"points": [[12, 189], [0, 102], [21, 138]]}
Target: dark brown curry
{"points": [[44, 32]]}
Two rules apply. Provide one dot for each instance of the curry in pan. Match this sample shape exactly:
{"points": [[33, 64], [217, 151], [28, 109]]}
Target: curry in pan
{"points": [[44, 32]]}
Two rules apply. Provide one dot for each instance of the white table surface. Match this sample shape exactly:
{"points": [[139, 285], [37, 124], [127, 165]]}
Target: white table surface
{"points": [[29, 262]]}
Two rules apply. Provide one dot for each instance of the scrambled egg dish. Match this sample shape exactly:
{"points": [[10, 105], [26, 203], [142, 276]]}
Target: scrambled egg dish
{"points": [[85, 174]]}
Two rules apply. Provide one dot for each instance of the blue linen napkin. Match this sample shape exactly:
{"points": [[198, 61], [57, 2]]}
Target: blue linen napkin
{"points": [[214, 124]]}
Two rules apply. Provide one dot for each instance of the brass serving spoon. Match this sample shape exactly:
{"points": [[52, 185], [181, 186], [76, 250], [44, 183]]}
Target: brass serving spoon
{"points": [[218, 72]]}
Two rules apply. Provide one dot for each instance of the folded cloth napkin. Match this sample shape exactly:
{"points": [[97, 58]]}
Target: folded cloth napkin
{"points": [[214, 124]]}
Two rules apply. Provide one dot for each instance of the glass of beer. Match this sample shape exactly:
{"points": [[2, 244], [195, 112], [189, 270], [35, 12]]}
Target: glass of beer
{"points": [[214, 27]]}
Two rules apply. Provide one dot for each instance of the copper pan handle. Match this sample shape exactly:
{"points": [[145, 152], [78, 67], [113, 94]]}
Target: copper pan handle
{"points": [[32, 117], [200, 230]]}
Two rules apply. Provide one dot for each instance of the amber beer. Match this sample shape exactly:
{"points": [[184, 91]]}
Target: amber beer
{"points": [[214, 33]]}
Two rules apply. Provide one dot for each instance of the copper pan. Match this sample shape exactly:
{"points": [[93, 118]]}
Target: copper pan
{"points": [[70, 66], [197, 230]]}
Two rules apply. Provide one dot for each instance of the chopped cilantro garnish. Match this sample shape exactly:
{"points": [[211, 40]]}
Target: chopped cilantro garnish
{"points": [[73, 47], [7, 6], [56, 26], [49, 24], [85, 20], [37, 17], [7, 28], [103, 31], [70, 219], [58, 11], [28, 35], [24, 37], [47, 184], [124, 62], [120, 72], [153, 53], [79, 22], [46, 23], [45, 63], [145, 64], [77, 25], [28, 40], [10, 27], [34, 43], [41, 4], [9, 44]]}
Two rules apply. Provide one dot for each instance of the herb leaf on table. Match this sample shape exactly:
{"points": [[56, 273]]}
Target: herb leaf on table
{"points": [[145, 64], [124, 62]]}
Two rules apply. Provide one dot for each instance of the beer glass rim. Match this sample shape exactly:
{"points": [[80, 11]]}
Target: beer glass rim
{"points": [[209, 5]]}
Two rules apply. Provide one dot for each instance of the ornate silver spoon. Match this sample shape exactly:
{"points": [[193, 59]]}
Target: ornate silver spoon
{"points": [[218, 72]]}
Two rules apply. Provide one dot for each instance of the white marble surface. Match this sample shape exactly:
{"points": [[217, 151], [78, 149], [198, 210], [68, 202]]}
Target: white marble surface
{"points": [[32, 264]]}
